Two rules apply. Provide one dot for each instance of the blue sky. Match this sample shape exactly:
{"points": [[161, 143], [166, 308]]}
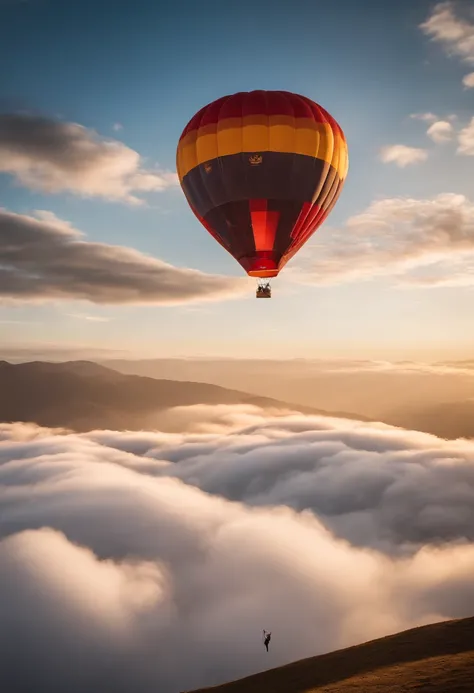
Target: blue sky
{"points": [[146, 68]]}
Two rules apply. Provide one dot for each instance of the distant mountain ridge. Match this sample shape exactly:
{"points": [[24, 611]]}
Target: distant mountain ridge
{"points": [[449, 420], [437, 658], [427, 403], [83, 395]]}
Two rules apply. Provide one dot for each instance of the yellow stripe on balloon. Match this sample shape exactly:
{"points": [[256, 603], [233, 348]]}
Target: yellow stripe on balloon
{"points": [[261, 134]]}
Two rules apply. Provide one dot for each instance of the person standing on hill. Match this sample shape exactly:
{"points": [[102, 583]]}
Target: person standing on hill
{"points": [[266, 638]]}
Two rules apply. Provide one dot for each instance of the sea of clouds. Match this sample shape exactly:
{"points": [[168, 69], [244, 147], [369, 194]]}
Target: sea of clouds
{"points": [[150, 561]]}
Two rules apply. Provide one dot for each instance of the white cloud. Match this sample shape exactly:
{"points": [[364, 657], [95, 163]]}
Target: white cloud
{"points": [[402, 156], [455, 33], [426, 242], [440, 131], [89, 318], [468, 81], [428, 117], [144, 582], [53, 156], [117, 127], [45, 258], [466, 140]]}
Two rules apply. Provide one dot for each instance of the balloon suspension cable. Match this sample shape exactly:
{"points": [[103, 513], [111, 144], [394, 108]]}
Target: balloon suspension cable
{"points": [[264, 289]]}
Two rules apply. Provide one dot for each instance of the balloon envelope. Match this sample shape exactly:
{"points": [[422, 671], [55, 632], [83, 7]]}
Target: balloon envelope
{"points": [[261, 170]]}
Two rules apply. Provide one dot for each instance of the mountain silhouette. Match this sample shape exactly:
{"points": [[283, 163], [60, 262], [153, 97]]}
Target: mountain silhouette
{"points": [[82, 396]]}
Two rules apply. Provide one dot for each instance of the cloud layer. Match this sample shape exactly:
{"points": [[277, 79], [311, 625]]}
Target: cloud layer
{"points": [[117, 573], [362, 480], [427, 242], [43, 258], [55, 156]]}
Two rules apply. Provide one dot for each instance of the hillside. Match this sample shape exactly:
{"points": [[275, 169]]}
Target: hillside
{"points": [[438, 403], [438, 658], [82, 396], [447, 420]]}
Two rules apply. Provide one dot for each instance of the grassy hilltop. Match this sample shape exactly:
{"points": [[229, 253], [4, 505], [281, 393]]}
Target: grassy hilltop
{"points": [[438, 658]]}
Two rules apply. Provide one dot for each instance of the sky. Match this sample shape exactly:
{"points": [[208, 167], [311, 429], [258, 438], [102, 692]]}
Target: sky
{"points": [[99, 250]]}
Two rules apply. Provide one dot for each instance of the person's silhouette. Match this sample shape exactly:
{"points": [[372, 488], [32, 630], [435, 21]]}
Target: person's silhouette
{"points": [[266, 639]]}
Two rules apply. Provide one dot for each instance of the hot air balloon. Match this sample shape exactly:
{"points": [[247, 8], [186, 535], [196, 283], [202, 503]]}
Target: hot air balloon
{"points": [[261, 170]]}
